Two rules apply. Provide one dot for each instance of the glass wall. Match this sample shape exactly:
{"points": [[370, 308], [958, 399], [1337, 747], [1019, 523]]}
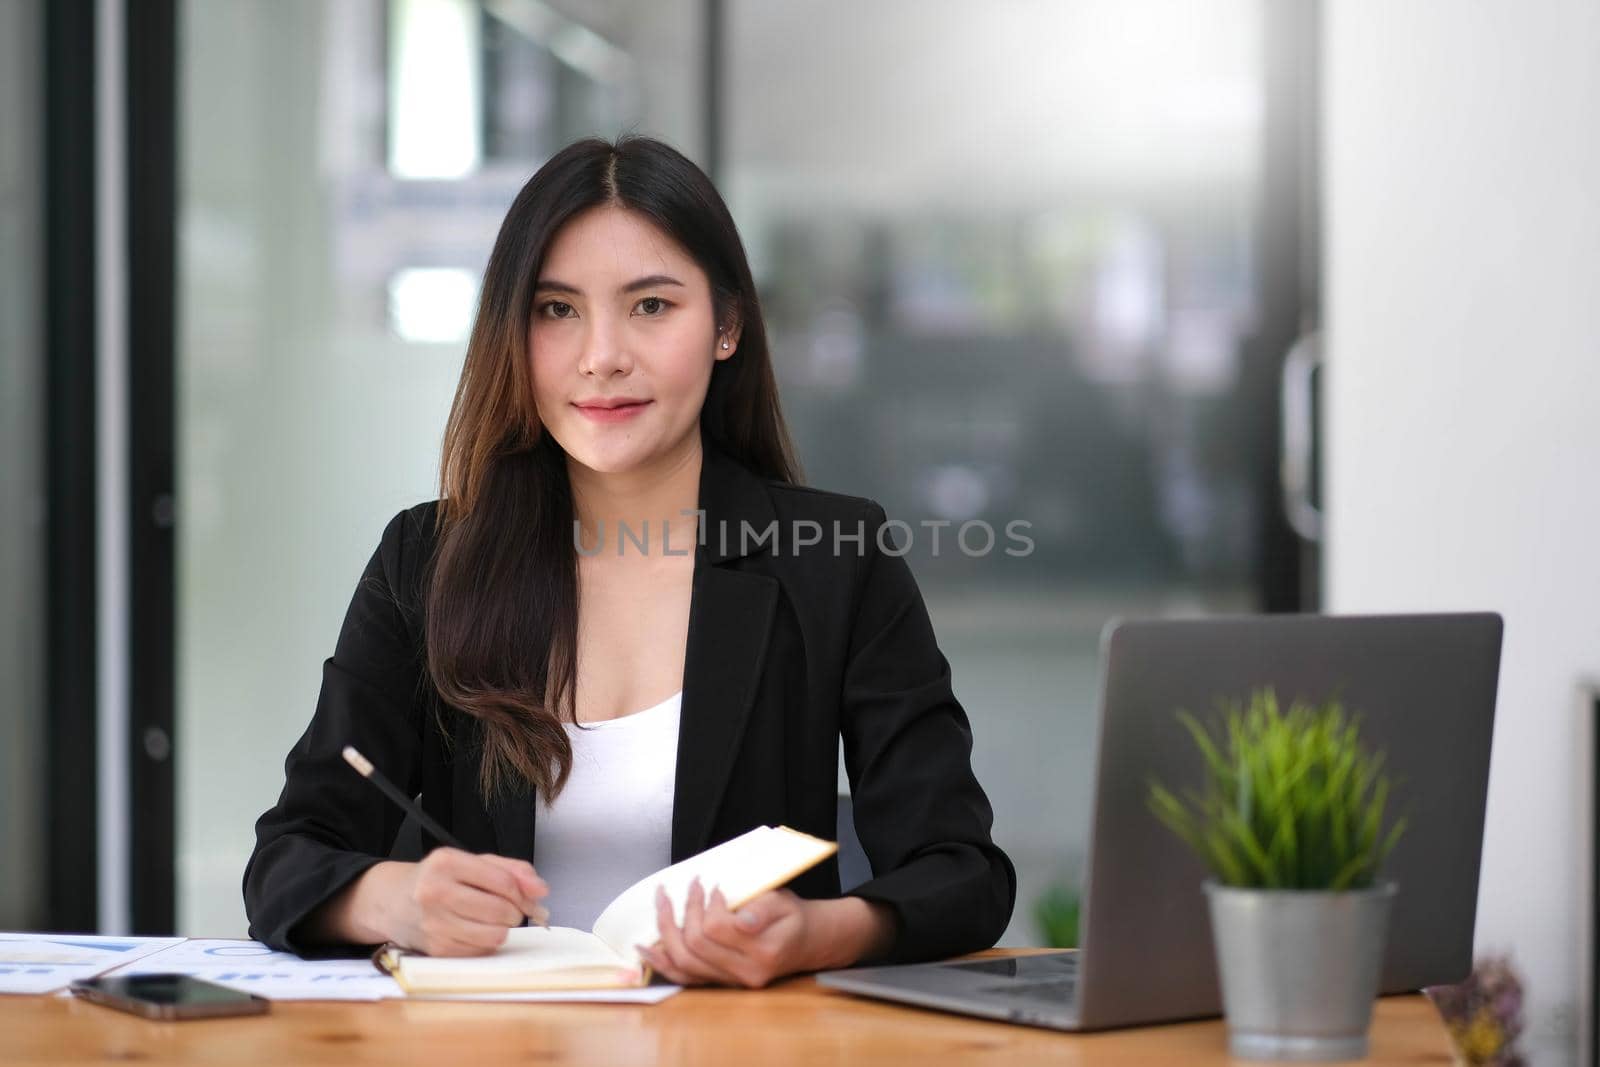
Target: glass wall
{"points": [[1005, 253], [344, 167], [22, 471]]}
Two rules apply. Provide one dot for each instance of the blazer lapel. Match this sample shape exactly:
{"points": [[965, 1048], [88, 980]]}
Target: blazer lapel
{"points": [[730, 617], [730, 621]]}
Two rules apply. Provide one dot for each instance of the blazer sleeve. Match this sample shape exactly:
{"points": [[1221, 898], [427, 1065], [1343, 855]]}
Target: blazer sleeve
{"points": [[921, 816], [329, 825]]}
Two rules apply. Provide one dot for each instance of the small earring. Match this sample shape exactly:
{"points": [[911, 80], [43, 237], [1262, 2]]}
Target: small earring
{"points": [[724, 344]]}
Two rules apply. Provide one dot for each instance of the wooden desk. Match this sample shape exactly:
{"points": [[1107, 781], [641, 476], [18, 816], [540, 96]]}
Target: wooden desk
{"points": [[792, 1022]]}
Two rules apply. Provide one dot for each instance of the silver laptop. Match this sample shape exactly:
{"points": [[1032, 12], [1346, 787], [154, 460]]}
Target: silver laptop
{"points": [[1425, 687]]}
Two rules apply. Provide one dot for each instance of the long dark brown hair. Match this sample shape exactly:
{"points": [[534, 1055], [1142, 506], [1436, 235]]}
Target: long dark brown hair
{"points": [[502, 590]]}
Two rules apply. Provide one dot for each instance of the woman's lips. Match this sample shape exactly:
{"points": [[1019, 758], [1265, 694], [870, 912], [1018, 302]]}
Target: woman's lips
{"points": [[621, 413]]}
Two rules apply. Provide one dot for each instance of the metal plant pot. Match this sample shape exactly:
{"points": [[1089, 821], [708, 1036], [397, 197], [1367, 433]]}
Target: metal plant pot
{"points": [[1299, 969]]}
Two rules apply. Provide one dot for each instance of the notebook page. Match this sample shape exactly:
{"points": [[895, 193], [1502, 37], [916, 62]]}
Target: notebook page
{"points": [[527, 950], [742, 868]]}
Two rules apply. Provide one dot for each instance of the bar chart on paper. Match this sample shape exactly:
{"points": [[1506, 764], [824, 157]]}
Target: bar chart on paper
{"points": [[44, 963]]}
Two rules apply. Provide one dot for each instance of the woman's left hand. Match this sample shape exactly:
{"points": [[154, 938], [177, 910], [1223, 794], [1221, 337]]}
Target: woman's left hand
{"points": [[775, 934], [769, 937]]}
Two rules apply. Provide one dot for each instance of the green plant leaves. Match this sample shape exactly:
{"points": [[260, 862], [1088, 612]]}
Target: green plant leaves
{"points": [[1057, 912], [1291, 800]]}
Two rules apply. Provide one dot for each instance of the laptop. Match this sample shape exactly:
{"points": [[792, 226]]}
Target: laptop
{"points": [[1424, 686]]}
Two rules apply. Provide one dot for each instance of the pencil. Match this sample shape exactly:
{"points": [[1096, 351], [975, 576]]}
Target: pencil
{"points": [[364, 767]]}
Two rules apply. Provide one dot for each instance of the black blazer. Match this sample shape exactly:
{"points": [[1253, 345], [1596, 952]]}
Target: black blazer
{"points": [[788, 652]]}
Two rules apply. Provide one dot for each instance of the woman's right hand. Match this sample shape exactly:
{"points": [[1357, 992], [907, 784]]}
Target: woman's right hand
{"points": [[457, 903], [452, 903]]}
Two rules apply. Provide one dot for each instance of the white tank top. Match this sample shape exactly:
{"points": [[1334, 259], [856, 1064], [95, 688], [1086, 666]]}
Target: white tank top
{"points": [[612, 823]]}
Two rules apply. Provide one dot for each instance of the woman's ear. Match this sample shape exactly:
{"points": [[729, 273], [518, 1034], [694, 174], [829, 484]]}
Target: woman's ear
{"points": [[727, 341]]}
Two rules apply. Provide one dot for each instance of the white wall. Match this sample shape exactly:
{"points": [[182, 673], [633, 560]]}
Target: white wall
{"points": [[1462, 266]]}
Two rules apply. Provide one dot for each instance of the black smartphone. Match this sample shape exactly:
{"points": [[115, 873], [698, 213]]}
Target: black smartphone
{"points": [[168, 996]]}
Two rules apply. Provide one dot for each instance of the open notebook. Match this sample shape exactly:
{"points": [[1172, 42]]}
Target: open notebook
{"points": [[562, 957]]}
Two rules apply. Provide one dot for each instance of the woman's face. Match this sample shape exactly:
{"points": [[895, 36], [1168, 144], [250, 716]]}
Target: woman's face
{"points": [[623, 340]]}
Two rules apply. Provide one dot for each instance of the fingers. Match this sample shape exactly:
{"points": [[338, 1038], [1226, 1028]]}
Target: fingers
{"points": [[768, 933], [463, 904], [697, 937], [513, 880], [721, 940], [719, 925], [758, 914], [475, 905], [440, 930], [492, 876], [662, 966], [676, 958], [450, 922], [656, 956], [678, 961], [709, 946], [532, 886]]}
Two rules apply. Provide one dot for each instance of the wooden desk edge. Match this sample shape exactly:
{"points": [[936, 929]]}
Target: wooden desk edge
{"points": [[794, 1021]]}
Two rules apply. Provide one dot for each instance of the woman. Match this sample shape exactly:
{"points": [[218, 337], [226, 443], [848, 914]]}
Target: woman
{"points": [[624, 633]]}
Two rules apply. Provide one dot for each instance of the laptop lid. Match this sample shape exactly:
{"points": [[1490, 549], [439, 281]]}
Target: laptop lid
{"points": [[1424, 686]]}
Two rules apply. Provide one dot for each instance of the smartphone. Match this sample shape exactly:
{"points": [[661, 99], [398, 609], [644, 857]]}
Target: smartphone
{"points": [[168, 996]]}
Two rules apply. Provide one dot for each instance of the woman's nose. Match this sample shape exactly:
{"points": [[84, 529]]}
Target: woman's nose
{"points": [[605, 351]]}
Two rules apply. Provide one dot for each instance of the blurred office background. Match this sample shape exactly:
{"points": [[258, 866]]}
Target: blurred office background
{"points": [[1062, 261]]}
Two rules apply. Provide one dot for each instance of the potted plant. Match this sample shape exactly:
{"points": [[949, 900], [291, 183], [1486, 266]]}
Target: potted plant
{"points": [[1290, 821]]}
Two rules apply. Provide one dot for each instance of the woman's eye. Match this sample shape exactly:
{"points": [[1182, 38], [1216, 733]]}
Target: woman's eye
{"points": [[560, 309]]}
